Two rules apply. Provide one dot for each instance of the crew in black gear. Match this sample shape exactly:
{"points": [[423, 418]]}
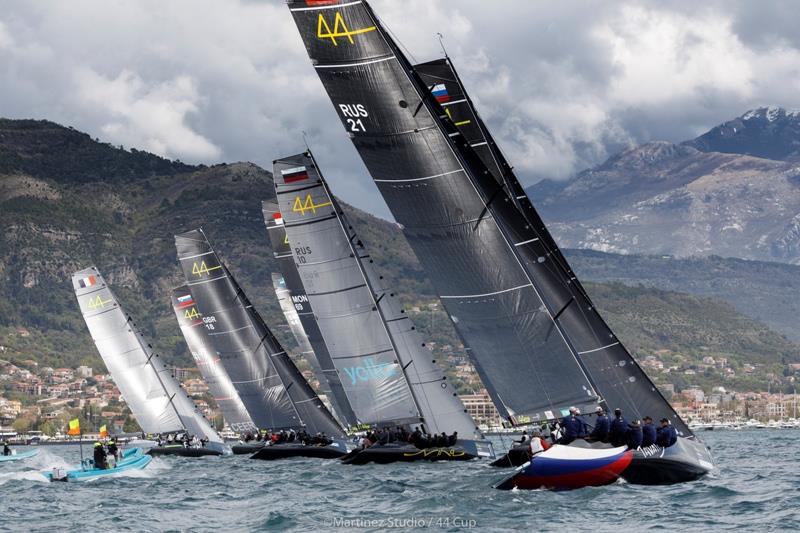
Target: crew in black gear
{"points": [[99, 456]]}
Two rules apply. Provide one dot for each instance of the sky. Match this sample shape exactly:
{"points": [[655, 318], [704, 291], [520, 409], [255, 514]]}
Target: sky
{"points": [[562, 85]]}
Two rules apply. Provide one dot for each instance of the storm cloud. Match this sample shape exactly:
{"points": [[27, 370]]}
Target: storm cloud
{"points": [[562, 85]]}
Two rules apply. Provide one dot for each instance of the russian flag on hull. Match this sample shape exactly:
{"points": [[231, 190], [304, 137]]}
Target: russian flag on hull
{"points": [[566, 467]]}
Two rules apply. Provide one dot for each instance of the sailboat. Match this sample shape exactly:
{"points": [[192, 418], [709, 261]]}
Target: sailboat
{"points": [[386, 372], [533, 333], [194, 330], [300, 317], [158, 402], [274, 392]]}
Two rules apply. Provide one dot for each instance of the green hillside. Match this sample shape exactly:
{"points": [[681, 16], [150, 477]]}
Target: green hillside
{"points": [[67, 201]]}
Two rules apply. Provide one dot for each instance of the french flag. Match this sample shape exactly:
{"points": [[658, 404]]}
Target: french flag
{"points": [[277, 218], [87, 282], [293, 175], [440, 93]]}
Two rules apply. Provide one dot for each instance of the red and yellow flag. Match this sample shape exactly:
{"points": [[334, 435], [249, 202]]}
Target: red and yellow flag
{"points": [[74, 427], [103, 431]]}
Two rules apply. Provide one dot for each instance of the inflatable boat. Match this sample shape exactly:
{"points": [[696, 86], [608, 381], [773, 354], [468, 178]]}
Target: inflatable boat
{"points": [[132, 459], [570, 467]]}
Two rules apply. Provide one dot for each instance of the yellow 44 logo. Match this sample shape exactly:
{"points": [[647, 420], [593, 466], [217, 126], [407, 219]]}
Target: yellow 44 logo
{"points": [[301, 206], [191, 314], [198, 269], [97, 303], [340, 29]]}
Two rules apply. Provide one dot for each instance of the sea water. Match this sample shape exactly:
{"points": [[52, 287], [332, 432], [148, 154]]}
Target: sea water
{"points": [[757, 487]]}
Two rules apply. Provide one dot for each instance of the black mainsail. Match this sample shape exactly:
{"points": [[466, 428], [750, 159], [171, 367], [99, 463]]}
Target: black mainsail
{"points": [[283, 255], [472, 240], [389, 373], [194, 328], [620, 380], [270, 385]]}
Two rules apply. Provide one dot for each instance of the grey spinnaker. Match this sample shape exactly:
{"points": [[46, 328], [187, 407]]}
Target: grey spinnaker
{"points": [[305, 313], [614, 372], [388, 373], [194, 330], [472, 241], [271, 387], [156, 399]]}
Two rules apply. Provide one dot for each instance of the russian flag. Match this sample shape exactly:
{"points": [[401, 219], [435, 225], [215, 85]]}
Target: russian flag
{"points": [[87, 282], [440, 93], [314, 3], [278, 218], [185, 300], [293, 175]]}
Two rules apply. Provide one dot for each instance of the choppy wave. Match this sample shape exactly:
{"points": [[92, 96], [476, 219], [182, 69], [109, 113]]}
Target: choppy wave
{"points": [[757, 484]]}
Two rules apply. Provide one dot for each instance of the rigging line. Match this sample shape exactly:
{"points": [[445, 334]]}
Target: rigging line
{"points": [[396, 39]]}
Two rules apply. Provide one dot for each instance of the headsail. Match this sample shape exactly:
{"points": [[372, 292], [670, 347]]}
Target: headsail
{"points": [[194, 330], [270, 385], [155, 398], [305, 313], [616, 375], [389, 375], [471, 239]]}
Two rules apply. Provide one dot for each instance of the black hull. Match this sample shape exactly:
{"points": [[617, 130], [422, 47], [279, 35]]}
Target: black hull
{"points": [[687, 460], [157, 451], [517, 456], [246, 449], [406, 454], [285, 451]]}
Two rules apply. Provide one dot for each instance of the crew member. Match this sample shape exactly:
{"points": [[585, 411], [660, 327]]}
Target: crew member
{"points": [[648, 432], [634, 435], [538, 444], [99, 456], [572, 426], [600, 431], [618, 429], [523, 438], [113, 450], [666, 436], [6, 448]]}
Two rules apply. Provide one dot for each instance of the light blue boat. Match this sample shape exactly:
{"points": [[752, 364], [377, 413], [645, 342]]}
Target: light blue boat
{"points": [[132, 459], [18, 456]]}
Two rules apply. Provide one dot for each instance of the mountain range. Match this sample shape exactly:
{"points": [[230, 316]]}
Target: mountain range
{"points": [[732, 192], [68, 201]]}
